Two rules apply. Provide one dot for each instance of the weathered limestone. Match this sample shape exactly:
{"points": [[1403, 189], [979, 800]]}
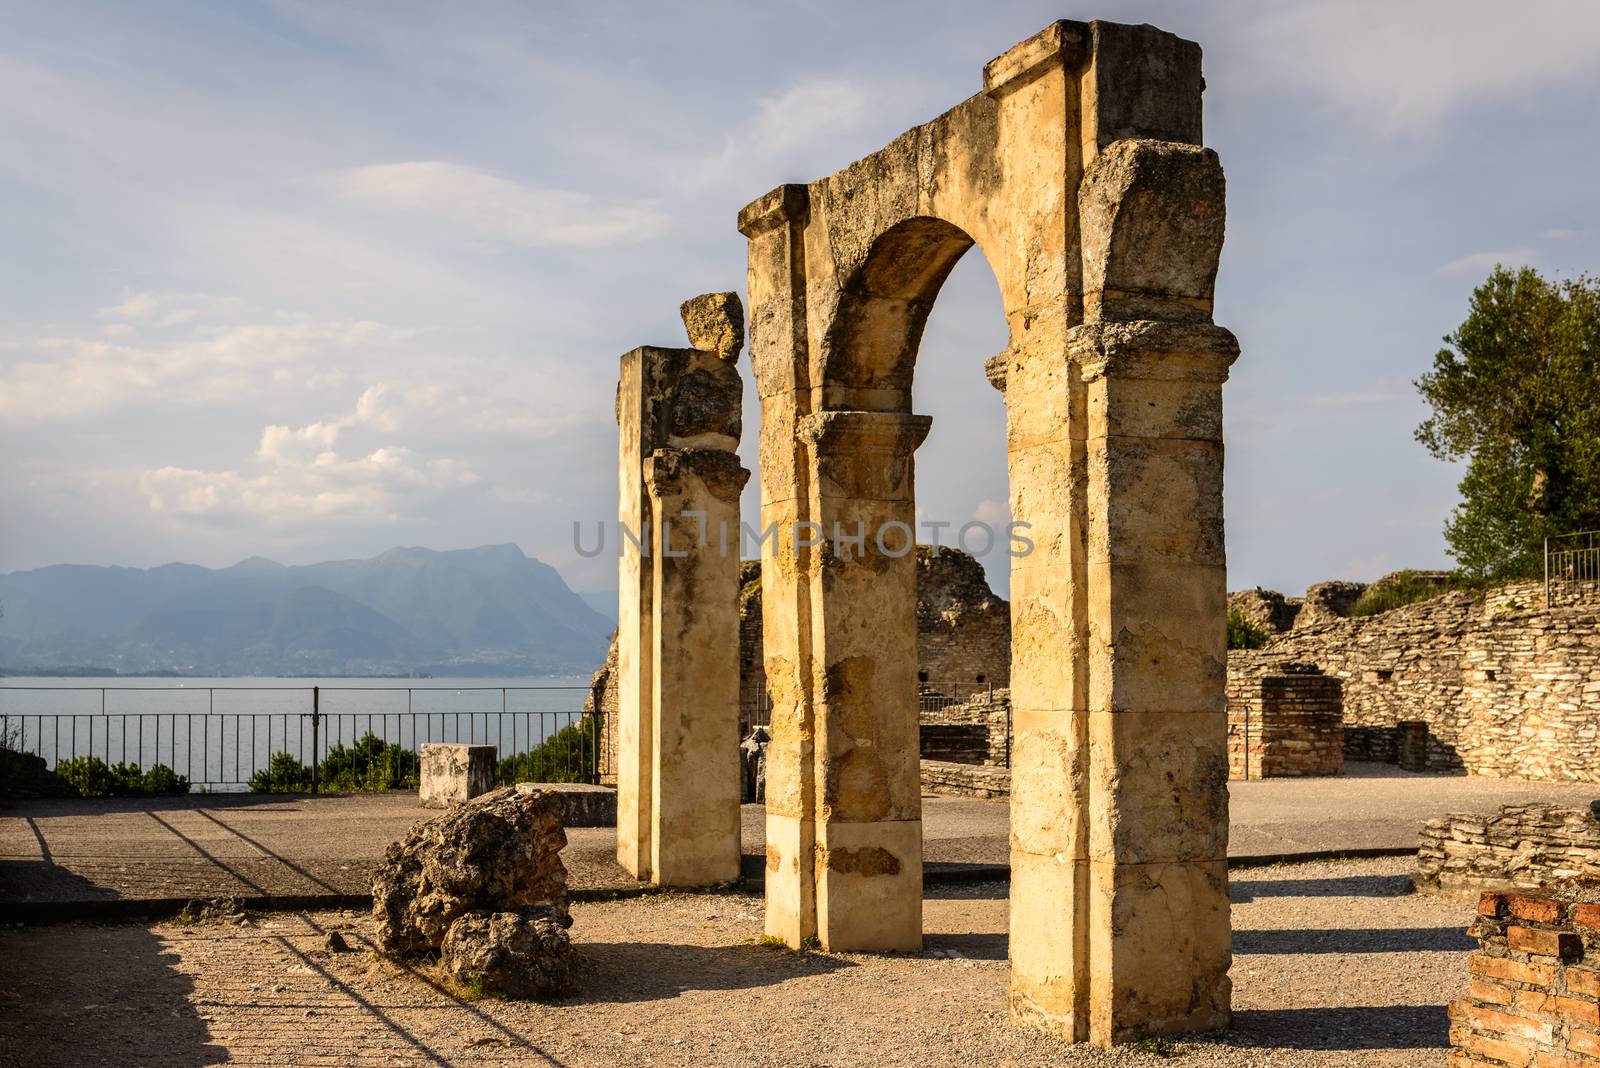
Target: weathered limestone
{"points": [[1079, 173], [452, 773], [483, 886], [679, 480]]}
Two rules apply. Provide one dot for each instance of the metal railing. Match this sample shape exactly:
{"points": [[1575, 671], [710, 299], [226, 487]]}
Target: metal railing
{"points": [[305, 737], [1571, 558]]}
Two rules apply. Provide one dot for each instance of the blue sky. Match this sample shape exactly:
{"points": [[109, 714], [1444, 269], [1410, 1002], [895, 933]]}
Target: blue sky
{"points": [[314, 280]]}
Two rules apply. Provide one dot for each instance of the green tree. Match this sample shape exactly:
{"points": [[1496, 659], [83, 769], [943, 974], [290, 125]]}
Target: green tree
{"points": [[1517, 395]]}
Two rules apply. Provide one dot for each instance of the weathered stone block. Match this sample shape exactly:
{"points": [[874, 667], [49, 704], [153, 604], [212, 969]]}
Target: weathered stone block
{"points": [[453, 773]]}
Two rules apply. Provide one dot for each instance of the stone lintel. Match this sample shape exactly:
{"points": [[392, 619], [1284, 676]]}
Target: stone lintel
{"points": [[787, 203], [894, 432], [1062, 43], [1151, 349]]}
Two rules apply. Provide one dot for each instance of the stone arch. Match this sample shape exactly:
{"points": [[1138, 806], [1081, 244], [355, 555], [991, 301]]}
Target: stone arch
{"points": [[1079, 172]]}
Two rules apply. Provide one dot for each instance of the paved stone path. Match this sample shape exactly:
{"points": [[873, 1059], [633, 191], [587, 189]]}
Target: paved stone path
{"points": [[1335, 965], [204, 846]]}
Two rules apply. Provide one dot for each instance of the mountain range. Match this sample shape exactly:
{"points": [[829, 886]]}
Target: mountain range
{"points": [[485, 611]]}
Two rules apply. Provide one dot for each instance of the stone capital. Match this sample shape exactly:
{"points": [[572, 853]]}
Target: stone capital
{"points": [[787, 203], [896, 433], [1150, 349], [719, 470]]}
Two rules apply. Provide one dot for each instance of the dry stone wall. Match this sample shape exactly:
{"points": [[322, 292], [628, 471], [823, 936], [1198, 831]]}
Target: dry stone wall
{"points": [[1521, 847], [1506, 687]]}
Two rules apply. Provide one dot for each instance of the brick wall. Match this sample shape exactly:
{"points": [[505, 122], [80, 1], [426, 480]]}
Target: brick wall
{"points": [[1520, 847], [1533, 990], [1284, 719]]}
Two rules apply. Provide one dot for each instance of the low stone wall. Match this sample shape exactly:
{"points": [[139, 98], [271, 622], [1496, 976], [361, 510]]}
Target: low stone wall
{"points": [[1285, 720], [965, 780], [1533, 997], [582, 805], [1521, 847]]}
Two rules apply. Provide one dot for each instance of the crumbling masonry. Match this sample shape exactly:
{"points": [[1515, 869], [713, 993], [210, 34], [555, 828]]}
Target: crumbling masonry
{"points": [[1080, 174]]}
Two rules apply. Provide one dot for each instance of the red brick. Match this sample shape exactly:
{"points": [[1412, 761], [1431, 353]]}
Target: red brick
{"points": [[1585, 1042], [1586, 915], [1491, 905], [1532, 1001], [1489, 992], [1563, 1060], [1512, 1051], [1505, 1023], [1581, 1010], [1543, 943], [1537, 909], [1505, 968], [1583, 981]]}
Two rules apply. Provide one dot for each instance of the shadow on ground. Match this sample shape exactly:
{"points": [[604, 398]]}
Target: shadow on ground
{"points": [[1362, 1027], [119, 984], [1355, 940], [652, 971], [1243, 891]]}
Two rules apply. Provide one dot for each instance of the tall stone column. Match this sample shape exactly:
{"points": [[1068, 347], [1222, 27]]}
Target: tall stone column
{"points": [[694, 500], [679, 413], [1120, 804], [867, 873]]}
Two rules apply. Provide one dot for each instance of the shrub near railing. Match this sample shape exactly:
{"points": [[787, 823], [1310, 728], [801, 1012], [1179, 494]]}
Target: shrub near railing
{"points": [[93, 777], [566, 756], [370, 765]]}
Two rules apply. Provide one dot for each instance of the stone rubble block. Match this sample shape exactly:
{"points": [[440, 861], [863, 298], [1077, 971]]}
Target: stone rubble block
{"points": [[453, 773], [481, 888]]}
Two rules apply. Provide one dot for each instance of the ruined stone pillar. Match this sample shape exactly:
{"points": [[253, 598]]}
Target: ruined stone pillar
{"points": [[679, 481], [867, 810], [695, 789], [1120, 818]]}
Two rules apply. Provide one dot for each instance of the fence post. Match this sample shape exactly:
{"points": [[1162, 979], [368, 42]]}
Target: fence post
{"points": [[1547, 574], [316, 726]]}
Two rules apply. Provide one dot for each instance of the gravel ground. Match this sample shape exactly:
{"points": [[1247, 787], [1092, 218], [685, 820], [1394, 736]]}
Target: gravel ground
{"points": [[1335, 964]]}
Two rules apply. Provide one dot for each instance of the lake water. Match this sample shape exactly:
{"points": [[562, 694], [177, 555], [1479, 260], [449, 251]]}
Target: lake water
{"points": [[219, 731]]}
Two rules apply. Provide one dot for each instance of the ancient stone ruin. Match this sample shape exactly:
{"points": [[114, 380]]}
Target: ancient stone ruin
{"points": [[1079, 173], [1520, 847], [481, 889], [1488, 682], [1533, 998], [677, 666], [1284, 720]]}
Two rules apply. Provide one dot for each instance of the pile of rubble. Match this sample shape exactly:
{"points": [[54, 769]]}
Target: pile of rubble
{"points": [[481, 888]]}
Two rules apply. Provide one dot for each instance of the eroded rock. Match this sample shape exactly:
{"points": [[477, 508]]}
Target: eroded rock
{"points": [[479, 885], [517, 954]]}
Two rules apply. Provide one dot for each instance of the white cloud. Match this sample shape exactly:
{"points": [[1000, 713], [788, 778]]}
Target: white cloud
{"points": [[1406, 66], [1483, 262], [496, 208], [60, 377], [1560, 233], [297, 476]]}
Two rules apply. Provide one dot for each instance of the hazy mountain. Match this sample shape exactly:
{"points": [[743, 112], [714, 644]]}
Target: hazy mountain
{"points": [[482, 611]]}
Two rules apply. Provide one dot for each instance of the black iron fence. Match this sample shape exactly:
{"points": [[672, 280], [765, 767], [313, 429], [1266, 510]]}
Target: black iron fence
{"points": [[287, 738], [1571, 558]]}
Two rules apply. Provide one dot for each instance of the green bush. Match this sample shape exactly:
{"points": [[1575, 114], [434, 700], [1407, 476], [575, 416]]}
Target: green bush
{"points": [[1242, 633], [1409, 587], [566, 756], [367, 766], [93, 777]]}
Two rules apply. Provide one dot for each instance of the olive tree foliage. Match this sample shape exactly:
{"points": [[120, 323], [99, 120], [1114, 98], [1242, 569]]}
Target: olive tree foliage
{"points": [[1516, 394]]}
